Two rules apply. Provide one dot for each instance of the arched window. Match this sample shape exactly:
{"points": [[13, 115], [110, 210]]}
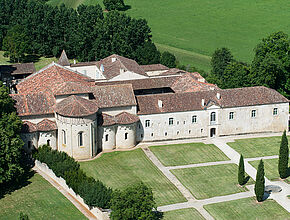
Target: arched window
{"points": [[48, 142], [212, 117], [126, 136], [63, 137], [106, 137], [80, 139]]}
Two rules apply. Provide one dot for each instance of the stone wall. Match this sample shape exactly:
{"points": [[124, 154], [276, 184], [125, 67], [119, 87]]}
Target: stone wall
{"points": [[95, 211]]}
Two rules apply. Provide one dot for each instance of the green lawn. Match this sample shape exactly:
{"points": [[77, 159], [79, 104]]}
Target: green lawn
{"points": [[120, 169], [201, 26], [184, 214], [270, 167], [39, 200], [247, 209], [257, 147], [210, 181], [73, 3], [182, 154]]}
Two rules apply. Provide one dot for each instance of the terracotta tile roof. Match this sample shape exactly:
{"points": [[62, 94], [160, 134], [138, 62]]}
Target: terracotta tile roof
{"points": [[114, 95], [46, 125], [189, 83], [148, 83], [18, 69], [28, 127], [75, 106], [190, 101], [34, 104], [123, 118], [68, 88], [154, 67], [51, 78], [63, 60], [112, 69], [173, 71], [92, 63]]}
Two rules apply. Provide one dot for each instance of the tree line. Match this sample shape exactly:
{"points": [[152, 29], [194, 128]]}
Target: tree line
{"points": [[270, 66], [86, 33]]}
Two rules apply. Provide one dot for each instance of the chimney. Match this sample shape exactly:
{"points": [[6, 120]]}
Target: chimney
{"points": [[75, 61], [113, 59], [160, 104], [218, 95], [202, 102]]}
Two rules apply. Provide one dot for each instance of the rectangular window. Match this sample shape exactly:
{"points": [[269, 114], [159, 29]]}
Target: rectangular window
{"points": [[275, 111], [170, 121], [126, 136], [194, 119], [80, 139], [253, 114], [231, 115], [147, 123], [106, 137]]}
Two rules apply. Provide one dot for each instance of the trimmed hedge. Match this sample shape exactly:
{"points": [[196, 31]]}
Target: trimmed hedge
{"points": [[93, 192]]}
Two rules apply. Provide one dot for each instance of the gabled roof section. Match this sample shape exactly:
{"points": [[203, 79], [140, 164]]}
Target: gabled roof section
{"points": [[114, 96], [50, 79], [123, 118], [63, 60], [190, 101], [46, 125], [18, 69], [75, 106], [28, 127], [154, 67], [112, 65], [70, 88]]}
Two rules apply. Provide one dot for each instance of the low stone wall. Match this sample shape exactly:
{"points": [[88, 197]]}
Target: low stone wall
{"points": [[95, 211]]}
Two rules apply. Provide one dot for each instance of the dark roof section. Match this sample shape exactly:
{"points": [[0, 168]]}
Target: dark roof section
{"points": [[75, 106], [28, 127], [190, 101], [92, 63], [114, 96], [154, 67], [18, 69], [63, 60], [123, 118], [34, 104], [46, 125], [148, 83], [112, 65]]}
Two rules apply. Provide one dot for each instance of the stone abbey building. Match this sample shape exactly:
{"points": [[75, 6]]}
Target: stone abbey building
{"points": [[85, 108]]}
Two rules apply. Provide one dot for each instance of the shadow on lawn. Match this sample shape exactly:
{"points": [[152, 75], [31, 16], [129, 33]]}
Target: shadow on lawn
{"points": [[126, 7], [22, 180]]}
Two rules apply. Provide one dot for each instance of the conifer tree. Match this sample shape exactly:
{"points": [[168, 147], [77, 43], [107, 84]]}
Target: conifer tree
{"points": [[260, 182], [241, 174], [283, 157]]}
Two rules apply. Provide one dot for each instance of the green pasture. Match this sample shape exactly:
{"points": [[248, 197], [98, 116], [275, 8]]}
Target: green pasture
{"points": [[191, 153], [257, 147], [247, 209], [39, 200], [120, 169], [210, 181], [73, 3], [185, 214]]}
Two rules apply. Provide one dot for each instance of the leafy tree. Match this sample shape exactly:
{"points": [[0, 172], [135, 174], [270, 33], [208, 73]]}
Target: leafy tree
{"points": [[168, 59], [241, 174], [15, 44], [220, 60], [114, 4], [283, 157], [135, 202], [10, 141], [260, 182], [147, 54], [23, 216]]}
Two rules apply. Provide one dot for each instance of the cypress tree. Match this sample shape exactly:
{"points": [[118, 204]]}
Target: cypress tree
{"points": [[241, 174], [260, 182], [283, 157]]}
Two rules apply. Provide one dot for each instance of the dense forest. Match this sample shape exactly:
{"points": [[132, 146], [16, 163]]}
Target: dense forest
{"points": [[86, 33]]}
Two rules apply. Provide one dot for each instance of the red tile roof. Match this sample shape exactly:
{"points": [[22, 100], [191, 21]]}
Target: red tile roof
{"points": [[51, 78], [46, 125], [28, 127], [190, 101], [114, 95], [154, 67], [69, 88], [75, 106], [123, 118]]}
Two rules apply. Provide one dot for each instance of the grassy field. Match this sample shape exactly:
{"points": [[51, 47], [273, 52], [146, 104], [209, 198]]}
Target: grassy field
{"points": [[39, 200], [247, 209], [120, 169], [257, 147], [210, 181], [182, 154], [184, 214], [270, 167], [73, 3]]}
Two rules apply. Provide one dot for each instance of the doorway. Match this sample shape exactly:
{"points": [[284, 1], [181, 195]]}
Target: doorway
{"points": [[212, 132]]}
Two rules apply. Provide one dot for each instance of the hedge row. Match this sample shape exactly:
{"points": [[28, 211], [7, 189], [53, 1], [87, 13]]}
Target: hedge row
{"points": [[94, 192]]}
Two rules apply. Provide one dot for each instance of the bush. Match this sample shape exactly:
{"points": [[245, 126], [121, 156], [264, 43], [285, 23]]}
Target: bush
{"points": [[168, 59], [114, 4], [94, 193]]}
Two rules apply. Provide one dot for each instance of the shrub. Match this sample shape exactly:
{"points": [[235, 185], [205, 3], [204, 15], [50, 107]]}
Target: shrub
{"points": [[114, 4], [283, 157], [260, 182]]}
